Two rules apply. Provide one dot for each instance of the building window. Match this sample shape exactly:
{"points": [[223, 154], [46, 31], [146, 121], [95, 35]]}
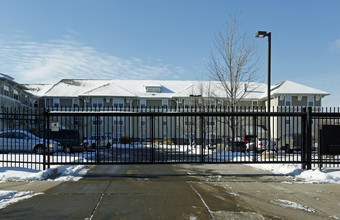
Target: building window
{"points": [[142, 104], [211, 121], [76, 120], [6, 90], [35, 103], [97, 121], [255, 103], [310, 101], [287, 120], [118, 121], [288, 101], [75, 103], [155, 89], [118, 103], [189, 103], [97, 103], [210, 103], [56, 103], [165, 103], [16, 94]]}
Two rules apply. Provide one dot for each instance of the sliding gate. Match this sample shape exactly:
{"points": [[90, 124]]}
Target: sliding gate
{"points": [[132, 136]]}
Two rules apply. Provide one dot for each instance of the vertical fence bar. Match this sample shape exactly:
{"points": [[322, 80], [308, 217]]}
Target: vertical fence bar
{"points": [[304, 139], [45, 132], [309, 138], [152, 139]]}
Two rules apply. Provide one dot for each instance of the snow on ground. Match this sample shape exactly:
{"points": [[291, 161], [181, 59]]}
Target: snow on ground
{"points": [[10, 197], [326, 175], [56, 173], [75, 172]]}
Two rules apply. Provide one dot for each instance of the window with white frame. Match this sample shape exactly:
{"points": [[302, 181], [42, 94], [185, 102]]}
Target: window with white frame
{"points": [[6, 90], [287, 122], [165, 103], [56, 103], [211, 121], [142, 103], [15, 94], [255, 103], [76, 120], [188, 103], [288, 101], [156, 89], [25, 99], [118, 121], [97, 103], [310, 101], [210, 103], [75, 103], [97, 121], [118, 103]]}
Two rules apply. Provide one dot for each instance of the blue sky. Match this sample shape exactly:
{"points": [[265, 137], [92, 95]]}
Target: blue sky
{"points": [[43, 41]]}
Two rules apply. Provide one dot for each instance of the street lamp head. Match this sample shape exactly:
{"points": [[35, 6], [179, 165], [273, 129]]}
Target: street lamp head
{"points": [[261, 34]]}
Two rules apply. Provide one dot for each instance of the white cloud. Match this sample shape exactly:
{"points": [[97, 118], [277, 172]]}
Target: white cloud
{"points": [[335, 45], [33, 62]]}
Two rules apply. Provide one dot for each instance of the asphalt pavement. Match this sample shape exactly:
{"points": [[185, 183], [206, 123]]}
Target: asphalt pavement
{"points": [[182, 191]]}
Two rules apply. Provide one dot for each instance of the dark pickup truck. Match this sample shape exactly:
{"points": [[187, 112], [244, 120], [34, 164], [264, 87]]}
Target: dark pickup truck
{"points": [[69, 139]]}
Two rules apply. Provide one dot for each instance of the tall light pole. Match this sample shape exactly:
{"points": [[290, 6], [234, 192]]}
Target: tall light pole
{"points": [[262, 34]]}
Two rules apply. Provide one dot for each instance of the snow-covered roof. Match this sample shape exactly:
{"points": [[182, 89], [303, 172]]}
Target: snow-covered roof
{"points": [[254, 90], [110, 88], [291, 88], [38, 89], [73, 87], [168, 89], [6, 77]]}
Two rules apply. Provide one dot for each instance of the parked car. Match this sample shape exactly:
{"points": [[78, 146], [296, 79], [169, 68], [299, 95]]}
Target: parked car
{"points": [[69, 139], [23, 141], [290, 142], [239, 145], [103, 140], [260, 145]]}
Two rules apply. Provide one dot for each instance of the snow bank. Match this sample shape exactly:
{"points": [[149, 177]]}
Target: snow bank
{"points": [[328, 175]]}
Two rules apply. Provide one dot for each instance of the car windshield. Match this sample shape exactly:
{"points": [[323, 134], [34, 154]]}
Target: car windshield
{"points": [[262, 139]]}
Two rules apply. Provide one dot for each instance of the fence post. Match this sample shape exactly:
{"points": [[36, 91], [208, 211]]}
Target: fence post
{"points": [[97, 139], [304, 138], [44, 127], [309, 138], [255, 134], [152, 139], [202, 139]]}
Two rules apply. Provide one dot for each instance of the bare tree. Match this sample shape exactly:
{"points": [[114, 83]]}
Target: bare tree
{"points": [[233, 64]]}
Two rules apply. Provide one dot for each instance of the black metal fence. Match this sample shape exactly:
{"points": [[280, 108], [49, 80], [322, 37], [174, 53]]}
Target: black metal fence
{"points": [[159, 135]]}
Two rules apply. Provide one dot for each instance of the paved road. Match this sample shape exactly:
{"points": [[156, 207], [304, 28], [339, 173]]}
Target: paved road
{"points": [[176, 192]]}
